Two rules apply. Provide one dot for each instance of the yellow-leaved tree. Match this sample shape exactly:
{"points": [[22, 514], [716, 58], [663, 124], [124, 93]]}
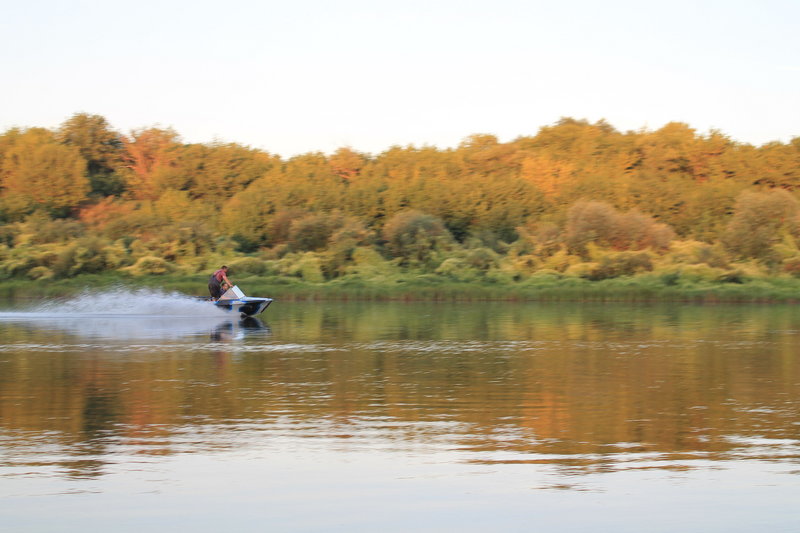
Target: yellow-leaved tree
{"points": [[100, 146], [39, 173], [149, 160]]}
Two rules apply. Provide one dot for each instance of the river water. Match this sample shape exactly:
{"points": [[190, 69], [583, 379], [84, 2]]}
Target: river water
{"points": [[131, 411]]}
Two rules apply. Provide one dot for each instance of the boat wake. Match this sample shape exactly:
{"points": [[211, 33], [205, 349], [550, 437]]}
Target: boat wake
{"points": [[124, 314], [121, 302]]}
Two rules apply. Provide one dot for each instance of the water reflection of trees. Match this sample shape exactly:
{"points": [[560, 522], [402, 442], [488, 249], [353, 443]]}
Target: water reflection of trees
{"points": [[579, 386]]}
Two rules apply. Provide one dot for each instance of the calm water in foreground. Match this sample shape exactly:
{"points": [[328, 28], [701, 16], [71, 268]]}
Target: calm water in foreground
{"points": [[135, 412]]}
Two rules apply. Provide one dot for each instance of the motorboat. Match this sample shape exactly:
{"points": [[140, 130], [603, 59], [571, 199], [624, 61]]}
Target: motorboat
{"points": [[235, 301]]}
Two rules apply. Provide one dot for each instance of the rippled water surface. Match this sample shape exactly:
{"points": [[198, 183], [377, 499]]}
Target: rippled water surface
{"points": [[131, 411]]}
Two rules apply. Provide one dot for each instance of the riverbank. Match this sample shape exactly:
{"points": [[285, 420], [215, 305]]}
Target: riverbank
{"points": [[434, 288]]}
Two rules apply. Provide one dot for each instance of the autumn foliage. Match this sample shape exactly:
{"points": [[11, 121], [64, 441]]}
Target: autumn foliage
{"points": [[575, 199]]}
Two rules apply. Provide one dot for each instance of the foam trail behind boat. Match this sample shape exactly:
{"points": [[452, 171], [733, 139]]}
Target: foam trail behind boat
{"points": [[122, 314], [126, 302]]}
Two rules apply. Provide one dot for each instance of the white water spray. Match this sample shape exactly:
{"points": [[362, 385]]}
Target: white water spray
{"points": [[127, 302], [126, 314]]}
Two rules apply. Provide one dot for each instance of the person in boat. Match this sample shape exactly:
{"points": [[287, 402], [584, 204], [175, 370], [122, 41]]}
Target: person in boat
{"points": [[218, 283]]}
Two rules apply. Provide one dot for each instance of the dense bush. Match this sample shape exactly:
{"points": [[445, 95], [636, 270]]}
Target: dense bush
{"points": [[247, 265], [579, 201], [414, 236], [761, 220], [613, 264], [599, 223], [149, 266]]}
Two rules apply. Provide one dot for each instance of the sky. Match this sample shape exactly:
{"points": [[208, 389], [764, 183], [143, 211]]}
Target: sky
{"points": [[300, 76]]}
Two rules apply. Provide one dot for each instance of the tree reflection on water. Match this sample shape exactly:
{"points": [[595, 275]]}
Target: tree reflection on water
{"points": [[582, 388]]}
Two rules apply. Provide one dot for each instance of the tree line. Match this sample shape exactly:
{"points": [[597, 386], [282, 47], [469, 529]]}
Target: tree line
{"points": [[577, 198]]}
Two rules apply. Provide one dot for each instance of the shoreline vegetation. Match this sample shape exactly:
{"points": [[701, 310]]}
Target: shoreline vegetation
{"points": [[634, 289], [578, 212]]}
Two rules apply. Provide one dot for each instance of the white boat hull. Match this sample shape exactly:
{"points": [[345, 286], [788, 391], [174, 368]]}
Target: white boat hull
{"points": [[246, 306], [235, 301]]}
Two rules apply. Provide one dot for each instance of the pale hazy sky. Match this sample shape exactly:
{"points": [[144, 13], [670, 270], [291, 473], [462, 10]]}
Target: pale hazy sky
{"points": [[312, 75]]}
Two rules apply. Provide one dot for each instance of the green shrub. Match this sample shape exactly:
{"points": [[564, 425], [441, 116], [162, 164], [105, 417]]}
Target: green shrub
{"points": [[792, 266], [457, 269], [247, 265], [40, 273], [482, 258], [616, 264], [86, 256], [582, 270], [149, 265], [307, 266], [701, 272], [367, 263], [560, 261], [501, 276], [414, 237], [760, 221], [693, 252], [312, 232], [544, 276], [601, 224]]}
